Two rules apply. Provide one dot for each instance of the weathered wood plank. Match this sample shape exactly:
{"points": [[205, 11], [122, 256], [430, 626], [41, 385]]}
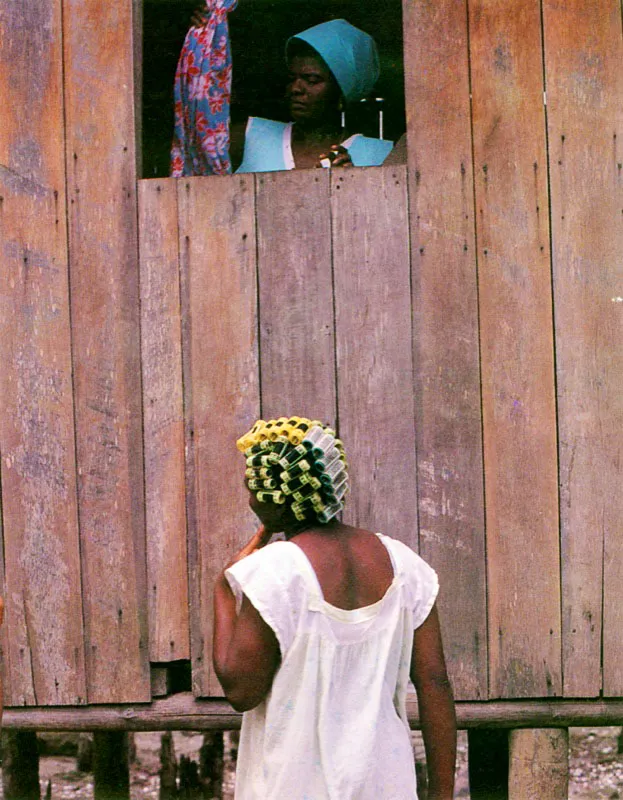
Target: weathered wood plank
{"points": [[101, 180], [538, 764], [3, 628], [163, 422], [374, 347], [584, 71], [516, 349], [297, 342], [44, 645], [221, 388], [445, 313]]}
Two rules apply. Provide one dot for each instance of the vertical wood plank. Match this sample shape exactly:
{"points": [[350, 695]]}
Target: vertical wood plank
{"points": [[4, 649], [445, 312], [516, 349], [44, 644], [163, 426], [101, 179], [374, 347], [221, 389], [584, 72], [297, 342]]}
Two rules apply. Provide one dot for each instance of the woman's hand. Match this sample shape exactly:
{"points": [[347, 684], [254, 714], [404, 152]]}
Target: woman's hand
{"points": [[338, 155], [200, 17], [260, 538]]}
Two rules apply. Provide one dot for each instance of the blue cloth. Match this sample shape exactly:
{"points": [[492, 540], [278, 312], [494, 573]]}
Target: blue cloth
{"points": [[267, 147], [350, 54], [263, 146]]}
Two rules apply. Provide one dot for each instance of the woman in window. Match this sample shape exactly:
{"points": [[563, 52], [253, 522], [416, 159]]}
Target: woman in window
{"points": [[330, 65], [315, 637]]}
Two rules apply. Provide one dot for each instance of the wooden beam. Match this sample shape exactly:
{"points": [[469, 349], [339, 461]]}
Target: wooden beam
{"points": [[183, 712]]}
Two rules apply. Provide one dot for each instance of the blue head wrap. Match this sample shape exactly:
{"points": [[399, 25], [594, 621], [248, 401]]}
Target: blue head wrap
{"points": [[350, 54]]}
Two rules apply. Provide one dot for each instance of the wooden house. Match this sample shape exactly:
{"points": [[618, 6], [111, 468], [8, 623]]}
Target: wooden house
{"points": [[460, 318]]}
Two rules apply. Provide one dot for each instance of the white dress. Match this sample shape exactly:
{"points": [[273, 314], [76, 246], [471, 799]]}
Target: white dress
{"points": [[334, 725]]}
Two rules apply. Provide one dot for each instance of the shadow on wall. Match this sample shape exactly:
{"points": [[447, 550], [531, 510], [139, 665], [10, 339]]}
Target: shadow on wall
{"points": [[259, 29]]}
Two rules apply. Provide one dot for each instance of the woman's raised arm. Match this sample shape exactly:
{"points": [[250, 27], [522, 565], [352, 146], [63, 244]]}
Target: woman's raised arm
{"points": [[246, 653]]}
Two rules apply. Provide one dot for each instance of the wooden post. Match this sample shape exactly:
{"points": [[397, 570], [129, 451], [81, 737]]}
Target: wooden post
{"points": [[84, 758], [211, 763], [168, 768], [111, 769], [20, 765], [539, 764], [488, 764]]}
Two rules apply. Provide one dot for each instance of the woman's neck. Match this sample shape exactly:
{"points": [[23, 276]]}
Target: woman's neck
{"points": [[317, 134], [307, 527]]}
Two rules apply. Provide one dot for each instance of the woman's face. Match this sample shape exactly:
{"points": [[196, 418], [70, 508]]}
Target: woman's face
{"points": [[312, 92]]}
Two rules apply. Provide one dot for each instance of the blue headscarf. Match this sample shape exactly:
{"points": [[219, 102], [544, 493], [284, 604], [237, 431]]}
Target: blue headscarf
{"points": [[350, 54]]}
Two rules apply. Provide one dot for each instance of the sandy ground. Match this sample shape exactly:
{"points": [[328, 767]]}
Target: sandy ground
{"points": [[596, 770]]}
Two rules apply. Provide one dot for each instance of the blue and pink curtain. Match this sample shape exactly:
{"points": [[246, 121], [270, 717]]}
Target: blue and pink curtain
{"points": [[202, 94]]}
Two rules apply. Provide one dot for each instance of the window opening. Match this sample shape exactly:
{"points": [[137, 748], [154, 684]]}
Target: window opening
{"points": [[259, 30]]}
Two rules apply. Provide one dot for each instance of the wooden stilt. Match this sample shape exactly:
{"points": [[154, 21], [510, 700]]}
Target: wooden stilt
{"points": [[111, 770], [84, 761], [488, 764], [168, 768], [190, 786], [539, 764], [20, 765], [211, 763]]}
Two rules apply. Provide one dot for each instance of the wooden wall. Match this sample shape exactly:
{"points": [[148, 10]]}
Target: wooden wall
{"points": [[461, 321]]}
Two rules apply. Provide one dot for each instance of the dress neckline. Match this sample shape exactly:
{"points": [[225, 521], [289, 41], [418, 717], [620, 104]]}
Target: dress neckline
{"points": [[288, 155], [359, 614]]}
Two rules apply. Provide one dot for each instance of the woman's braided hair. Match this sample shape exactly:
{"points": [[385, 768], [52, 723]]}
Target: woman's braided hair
{"points": [[299, 462]]}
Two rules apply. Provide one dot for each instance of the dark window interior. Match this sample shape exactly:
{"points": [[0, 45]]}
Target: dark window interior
{"points": [[258, 31]]}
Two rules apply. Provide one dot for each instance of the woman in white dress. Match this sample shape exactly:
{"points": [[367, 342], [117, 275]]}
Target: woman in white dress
{"points": [[316, 636]]}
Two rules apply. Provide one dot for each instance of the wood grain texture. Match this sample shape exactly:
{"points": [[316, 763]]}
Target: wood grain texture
{"points": [[4, 644], [446, 347], [163, 422], [101, 180], [538, 764], [584, 70], [297, 341], [374, 347], [44, 637], [221, 388], [520, 448]]}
